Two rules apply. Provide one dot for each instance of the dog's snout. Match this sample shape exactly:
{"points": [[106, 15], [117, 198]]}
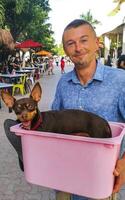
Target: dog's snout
{"points": [[25, 115]]}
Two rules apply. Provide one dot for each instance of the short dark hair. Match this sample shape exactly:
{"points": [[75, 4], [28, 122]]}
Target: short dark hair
{"points": [[78, 22]]}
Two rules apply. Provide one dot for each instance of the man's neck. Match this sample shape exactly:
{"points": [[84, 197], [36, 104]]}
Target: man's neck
{"points": [[85, 74]]}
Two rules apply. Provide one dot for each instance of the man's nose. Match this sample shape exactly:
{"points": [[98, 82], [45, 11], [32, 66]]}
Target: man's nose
{"points": [[78, 47]]}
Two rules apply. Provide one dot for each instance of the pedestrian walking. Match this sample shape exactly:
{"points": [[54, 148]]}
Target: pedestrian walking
{"points": [[109, 60], [62, 64], [51, 66]]}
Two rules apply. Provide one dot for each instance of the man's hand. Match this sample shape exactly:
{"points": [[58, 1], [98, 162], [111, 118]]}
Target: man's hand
{"points": [[119, 174]]}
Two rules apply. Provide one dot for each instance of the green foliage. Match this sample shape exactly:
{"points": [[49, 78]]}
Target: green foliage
{"points": [[28, 19], [88, 17], [2, 14], [117, 7], [60, 50]]}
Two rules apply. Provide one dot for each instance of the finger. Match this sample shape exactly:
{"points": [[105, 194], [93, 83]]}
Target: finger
{"points": [[116, 172], [118, 168], [117, 184]]}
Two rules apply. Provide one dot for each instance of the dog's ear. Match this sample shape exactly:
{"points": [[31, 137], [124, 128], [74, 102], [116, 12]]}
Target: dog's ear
{"points": [[36, 92], [8, 99]]}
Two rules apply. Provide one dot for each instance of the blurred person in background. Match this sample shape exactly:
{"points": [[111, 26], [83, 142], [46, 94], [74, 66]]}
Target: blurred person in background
{"points": [[62, 65], [121, 62]]}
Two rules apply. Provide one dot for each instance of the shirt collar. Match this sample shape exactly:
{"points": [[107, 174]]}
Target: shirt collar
{"points": [[99, 74]]}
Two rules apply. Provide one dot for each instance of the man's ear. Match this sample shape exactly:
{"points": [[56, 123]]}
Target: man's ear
{"points": [[36, 92], [8, 99], [97, 43]]}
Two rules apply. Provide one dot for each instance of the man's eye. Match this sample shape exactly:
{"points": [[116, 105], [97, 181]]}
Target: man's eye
{"points": [[84, 40], [69, 44]]}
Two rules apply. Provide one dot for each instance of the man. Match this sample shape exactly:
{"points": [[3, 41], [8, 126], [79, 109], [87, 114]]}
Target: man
{"points": [[91, 86], [121, 62]]}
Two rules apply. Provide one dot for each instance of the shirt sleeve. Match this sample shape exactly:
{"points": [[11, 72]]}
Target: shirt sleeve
{"points": [[122, 148], [122, 111], [121, 104], [57, 103]]}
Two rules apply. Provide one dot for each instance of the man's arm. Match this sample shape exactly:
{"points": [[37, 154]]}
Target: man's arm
{"points": [[119, 174]]}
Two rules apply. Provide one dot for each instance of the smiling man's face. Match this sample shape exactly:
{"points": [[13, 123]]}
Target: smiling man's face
{"points": [[80, 44]]}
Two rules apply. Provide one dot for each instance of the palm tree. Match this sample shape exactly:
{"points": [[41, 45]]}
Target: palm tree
{"points": [[117, 8], [88, 17], [2, 14]]}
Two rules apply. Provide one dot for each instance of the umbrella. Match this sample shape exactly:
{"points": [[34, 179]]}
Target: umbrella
{"points": [[28, 44], [43, 53]]}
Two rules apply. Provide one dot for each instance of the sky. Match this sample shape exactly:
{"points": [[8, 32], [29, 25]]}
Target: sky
{"points": [[64, 11]]}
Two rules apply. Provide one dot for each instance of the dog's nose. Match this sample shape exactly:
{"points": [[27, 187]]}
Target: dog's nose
{"points": [[25, 116]]}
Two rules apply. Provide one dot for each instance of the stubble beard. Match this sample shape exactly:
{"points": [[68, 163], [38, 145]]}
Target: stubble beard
{"points": [[82, 64]]}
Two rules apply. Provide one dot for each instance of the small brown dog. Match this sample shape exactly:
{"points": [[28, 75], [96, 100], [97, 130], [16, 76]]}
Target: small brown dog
{"points": [[74, 122]]}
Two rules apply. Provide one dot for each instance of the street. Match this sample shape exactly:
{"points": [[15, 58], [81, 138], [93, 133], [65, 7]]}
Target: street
{"points": [[13, 185]]}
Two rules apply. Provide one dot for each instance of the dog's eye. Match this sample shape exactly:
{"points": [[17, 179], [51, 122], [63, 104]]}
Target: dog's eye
{"points": [[30, 107], [18, 109], [19, 106]]}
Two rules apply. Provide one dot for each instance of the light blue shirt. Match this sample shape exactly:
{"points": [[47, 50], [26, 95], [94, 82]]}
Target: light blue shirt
{"points": [[104, 95]]}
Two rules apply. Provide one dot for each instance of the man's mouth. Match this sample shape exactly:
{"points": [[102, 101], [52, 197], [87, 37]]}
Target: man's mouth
{"points": [[80, 55]]}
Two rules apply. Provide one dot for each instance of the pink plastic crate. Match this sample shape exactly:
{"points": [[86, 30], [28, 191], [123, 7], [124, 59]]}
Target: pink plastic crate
{"points": [[79, 165]]}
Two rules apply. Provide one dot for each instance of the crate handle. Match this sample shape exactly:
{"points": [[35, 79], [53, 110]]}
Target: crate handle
{"points": [[110, 146]]}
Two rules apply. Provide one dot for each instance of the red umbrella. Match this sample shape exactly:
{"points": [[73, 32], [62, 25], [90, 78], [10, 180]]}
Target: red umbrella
{"points": [[28, 44]]}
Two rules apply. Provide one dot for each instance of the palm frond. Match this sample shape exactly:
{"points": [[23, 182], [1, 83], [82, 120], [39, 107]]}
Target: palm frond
{"points": [[114, 11], [2, 15], [117, 8]]}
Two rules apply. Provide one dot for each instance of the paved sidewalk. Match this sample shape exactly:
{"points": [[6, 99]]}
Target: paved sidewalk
{"points": [[13, 185]]}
